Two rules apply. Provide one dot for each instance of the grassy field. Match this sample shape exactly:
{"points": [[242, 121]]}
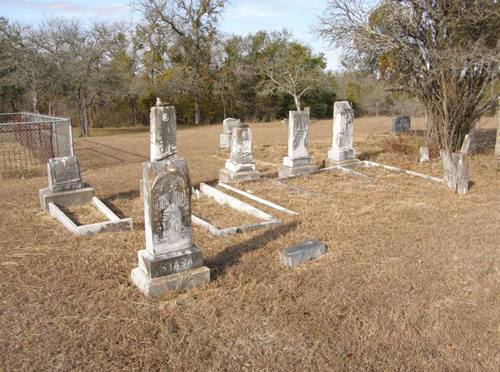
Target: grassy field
{"points": [[410, 280]]}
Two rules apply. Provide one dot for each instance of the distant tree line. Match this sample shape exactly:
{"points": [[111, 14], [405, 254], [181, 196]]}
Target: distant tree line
{"points": [[109, 74]]}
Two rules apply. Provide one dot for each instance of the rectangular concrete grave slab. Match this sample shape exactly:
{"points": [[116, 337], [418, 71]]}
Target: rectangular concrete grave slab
{"points": [[401, 124], [64, 174], [65, 198], [258, 199], [223, 198], [114, 222], [304, 251], [368, 163], [343, 126]]}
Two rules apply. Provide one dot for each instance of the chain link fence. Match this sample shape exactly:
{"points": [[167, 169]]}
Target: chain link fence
{"points": [[28, 141]]}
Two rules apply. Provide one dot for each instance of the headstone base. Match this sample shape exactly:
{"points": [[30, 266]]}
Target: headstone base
{"points": [[305, 251], [158, 287], [170, 263], [285, 171], [224, 141], [228, 176], [65, 198], [333, 163], [340, 154]]}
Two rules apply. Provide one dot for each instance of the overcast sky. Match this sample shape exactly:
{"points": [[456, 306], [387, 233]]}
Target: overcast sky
{"points": [[240, 17]]}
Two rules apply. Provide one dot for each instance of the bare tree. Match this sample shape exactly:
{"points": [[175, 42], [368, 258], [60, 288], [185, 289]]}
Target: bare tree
{"points": [[189, 27], [79, 54], [290, 67], [445, 53]]}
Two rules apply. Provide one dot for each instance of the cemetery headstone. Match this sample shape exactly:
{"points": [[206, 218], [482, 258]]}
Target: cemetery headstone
{"points": [[343, 125], [401, 124], [162, 134], [298, 160], [240, 166], [64, 174], [305, 251], [227, 130], [163, 126], [170, 260], [424, 154], [65, 186]]}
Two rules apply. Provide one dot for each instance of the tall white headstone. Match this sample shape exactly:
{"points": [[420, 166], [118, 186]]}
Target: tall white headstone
{"points": [[170, 260], [163, 126], [343, 125], [298, 160], [240, 167]]}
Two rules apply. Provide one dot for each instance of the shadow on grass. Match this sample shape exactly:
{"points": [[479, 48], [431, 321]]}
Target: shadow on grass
{"points": [[231, 255]]}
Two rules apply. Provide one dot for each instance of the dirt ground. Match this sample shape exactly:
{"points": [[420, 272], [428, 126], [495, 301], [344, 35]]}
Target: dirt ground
{"points": [[410, 280]]}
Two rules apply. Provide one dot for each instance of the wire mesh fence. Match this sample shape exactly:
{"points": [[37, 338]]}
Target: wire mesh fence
{"points": [[28, 141]]}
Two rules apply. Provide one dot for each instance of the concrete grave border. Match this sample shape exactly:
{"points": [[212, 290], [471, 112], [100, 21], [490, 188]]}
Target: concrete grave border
{"points": [[223, 198], [373, 164], [257, 199], [114, 222]]}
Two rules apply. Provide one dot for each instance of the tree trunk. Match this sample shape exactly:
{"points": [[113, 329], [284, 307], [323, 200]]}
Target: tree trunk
{"points": [[197, 112], [297, 102], [34, 98], [82, 117], [456, 171]]}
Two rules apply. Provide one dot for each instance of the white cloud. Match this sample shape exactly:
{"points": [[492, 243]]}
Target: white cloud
{"points": [[251, 10], [69, 7]]}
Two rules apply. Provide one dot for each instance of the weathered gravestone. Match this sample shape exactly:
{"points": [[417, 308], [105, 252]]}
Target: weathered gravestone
{"points": [[424, 154], [64, 174], [227, 130], [343, 119], [240, 167], [305, 251], [163, 126], [162, 134], [298, 160], [401, 124], [170, 260], [65, 184]]}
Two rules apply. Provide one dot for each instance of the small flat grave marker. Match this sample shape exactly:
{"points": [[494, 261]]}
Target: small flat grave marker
{"points": [[304, 251]]}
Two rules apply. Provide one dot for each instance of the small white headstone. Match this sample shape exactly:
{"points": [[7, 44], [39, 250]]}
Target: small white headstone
{"points": [[424, 154], [241, 149]]}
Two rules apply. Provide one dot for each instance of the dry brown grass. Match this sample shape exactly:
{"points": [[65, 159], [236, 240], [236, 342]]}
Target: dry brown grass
{"points": [[410, 280]]}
